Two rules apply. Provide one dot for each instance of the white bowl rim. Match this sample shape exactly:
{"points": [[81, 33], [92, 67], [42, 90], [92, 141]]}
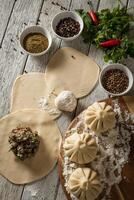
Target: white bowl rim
{"points": [[117, 66], [68, 38], [49, 39]]}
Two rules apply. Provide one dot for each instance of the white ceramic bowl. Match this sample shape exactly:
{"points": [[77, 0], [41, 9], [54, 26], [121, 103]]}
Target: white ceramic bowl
{"points": [[66, 14], [124, 69], [35, 29]]}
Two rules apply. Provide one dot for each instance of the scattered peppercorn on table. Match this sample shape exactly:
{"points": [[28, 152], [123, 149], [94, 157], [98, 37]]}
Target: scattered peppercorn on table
{"points": [[15, 16]]}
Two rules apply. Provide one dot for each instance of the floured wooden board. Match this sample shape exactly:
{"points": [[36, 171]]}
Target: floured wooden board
{"points": [[38, 166], [125, 189], [71, 70], [30, 91], [129, 100]]}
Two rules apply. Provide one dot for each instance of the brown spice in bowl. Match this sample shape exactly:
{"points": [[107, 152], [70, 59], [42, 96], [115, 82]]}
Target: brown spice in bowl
{"points": [[35, 43], [115, 81]]}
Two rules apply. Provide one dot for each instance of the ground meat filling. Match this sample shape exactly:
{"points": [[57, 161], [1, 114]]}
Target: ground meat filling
{"points": [[24, 143]]}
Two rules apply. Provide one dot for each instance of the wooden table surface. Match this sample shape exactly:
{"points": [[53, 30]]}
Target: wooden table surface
{"points": [[15, 15]]}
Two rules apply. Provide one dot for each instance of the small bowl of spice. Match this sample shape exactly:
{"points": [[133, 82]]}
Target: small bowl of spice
{"points": [[67, 25], [35, 40], [116, 79]]}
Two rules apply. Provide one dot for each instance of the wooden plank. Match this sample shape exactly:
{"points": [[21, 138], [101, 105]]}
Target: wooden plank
{"points": [[65, 120], [78, 43], [97, 93], [12, 60], [129, 62], [9, 191], [11, 64], [39, 65], [61, 195], [97, 55], [48, 186], [49, 10], [43, 189], [6, 8], [131, 6], [111, 4]]}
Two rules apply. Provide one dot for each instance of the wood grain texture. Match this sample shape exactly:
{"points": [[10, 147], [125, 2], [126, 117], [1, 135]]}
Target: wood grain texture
{"points": [[79, 45], [49, 10], [6, 8], [47, 188], [43, 189], [13, 62], [124, 190], [61, 195], [9, 191], [97, 56], [129, 62]]}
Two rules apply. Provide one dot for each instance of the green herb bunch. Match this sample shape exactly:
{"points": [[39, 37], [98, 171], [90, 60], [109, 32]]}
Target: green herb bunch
{"points": [[115, 24]]}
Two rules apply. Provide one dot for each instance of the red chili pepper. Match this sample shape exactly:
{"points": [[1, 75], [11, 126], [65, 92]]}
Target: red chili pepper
{"points": [[93, 16], [110, 43]]}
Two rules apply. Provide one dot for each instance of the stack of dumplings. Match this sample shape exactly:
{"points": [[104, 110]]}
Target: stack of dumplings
{"points": [[84, 183], [82, 149]]}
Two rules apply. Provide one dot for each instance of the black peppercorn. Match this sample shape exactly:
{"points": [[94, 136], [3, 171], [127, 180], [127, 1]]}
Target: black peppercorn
{"points": [[115, 81], [67, 27]]}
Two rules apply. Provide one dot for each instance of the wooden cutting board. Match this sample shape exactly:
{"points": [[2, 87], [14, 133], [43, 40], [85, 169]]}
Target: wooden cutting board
{"points": [[125, 190], [127, 184]]}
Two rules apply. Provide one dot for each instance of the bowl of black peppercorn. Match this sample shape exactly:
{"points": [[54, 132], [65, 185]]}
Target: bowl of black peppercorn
{"points": [[116, 79], [67, 25]]}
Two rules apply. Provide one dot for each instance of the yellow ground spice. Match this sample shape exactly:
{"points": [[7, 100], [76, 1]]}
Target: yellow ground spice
{"points": [[35, 43]]}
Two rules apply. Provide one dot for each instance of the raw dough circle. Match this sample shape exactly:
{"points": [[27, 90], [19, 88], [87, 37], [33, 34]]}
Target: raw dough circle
{"points": [[71, 70], [32, 169], [66, 101], [30, 91]]}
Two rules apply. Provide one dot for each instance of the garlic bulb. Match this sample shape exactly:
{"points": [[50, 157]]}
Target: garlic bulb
{"points": [[66, 101]]}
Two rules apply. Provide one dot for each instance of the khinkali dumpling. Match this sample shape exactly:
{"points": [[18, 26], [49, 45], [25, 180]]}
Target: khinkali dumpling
{"points": [[84, 183], [100, 117], [80, 148]]}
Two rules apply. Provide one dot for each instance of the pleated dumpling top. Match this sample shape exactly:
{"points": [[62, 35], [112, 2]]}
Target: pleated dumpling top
{"points": [[80, 148], [100, 117], [84, 183]]}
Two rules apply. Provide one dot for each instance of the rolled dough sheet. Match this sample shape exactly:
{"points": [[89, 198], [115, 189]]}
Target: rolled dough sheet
{"points": [[29, 90], [31, 169], [71, 70]]}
